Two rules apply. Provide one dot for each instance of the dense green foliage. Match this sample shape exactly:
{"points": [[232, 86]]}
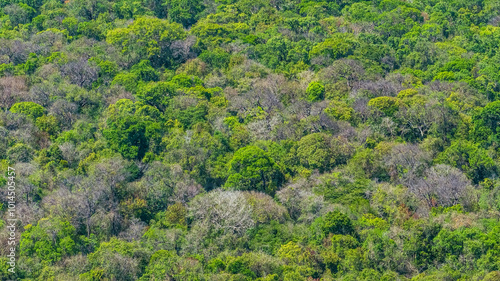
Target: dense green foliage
{"points": [[251, 140]]}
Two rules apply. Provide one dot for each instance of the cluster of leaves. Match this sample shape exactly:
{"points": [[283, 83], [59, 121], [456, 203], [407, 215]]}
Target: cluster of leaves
{"points": [[251, 140]]}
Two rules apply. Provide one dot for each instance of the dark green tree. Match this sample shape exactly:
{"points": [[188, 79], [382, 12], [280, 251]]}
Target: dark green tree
{"points": [[253, 169], [131, 128]]}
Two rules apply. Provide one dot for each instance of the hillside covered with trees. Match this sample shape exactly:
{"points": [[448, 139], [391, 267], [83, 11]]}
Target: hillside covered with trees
{"points": [[251, 139]]}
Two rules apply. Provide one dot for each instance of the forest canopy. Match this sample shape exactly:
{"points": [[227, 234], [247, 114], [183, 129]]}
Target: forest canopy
{"points": [[251, 140]]}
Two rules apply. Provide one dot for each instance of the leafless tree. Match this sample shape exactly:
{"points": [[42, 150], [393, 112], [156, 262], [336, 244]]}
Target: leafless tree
{"points": [[263, 92], [18, 51], [440, 86], [298, 110], [94, 204], [259, 130], [90, 201], [420, 119], [416, 118], [451, 184], [185, 190], [377, 88], [389, 61], [21, 128], [45, 72], [63, 202], [287, 131], [162, 185], [406, 163], [90, 195], [119, 266], [441, 185], [360, 106], [321, 60], [181, 49], [80, 73], [110, 171], [65, 112], [25, 189], [219, 210], [345, 130], [75, 265], [4, 142], [248, 66], [49, 41], [237, 102], [302, 203], [108, 221], [70, 153], [267, 92], [265, 129], [28, 213], [216, 79], [134, 230], [40, 93], [388, 127], [116, 93], [12, 90], [264, 208], [347, 69]]}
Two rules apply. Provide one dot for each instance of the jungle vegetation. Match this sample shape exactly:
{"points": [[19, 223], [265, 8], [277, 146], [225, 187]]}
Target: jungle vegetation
{"points": [[251, 139]]}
